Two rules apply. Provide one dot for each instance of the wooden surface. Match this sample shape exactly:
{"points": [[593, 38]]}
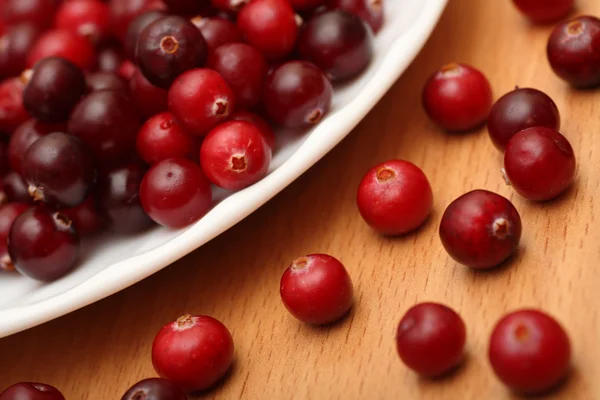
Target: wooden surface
{"points": [[98, 352]]}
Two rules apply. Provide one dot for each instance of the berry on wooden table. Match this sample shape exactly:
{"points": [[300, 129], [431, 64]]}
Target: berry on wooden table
{"points": [[31, 391], [154, 389]]}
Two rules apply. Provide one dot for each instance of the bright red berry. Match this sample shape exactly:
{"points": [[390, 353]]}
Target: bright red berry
{"points": [[64, 44], [370, 11], [262, 125], [542, 11], [88, 18], [31, 391], [162, 137], [154, 389], [12, 111]]}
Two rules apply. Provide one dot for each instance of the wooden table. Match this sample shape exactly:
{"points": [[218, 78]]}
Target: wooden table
{"points": [[98, 352]]}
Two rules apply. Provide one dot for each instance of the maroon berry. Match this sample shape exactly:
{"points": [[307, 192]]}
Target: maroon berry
{"points": [[339, 43], [307, 5], [394, 197], [480, 229], [12, 112], [316, 289], [197, 7], [8, 213], [162, 137], [108, 59], [370, 11], [4, 158], [15, 44], [154, 389], [36, 12], [262, 125], [519, 110], [574, 51], [431, 339], [122, 12], [217, 31], [543, 11], [539, 163], [25, 135], [193, 352], [85, 217], [64, 44], [88, 18], [137, 25], [297, 94], [15, 188], [229, 6], [31, 391], [105, 81], [148, 99], [530, 352]]}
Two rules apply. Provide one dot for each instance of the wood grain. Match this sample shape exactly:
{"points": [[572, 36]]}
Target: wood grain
{"points": [[98, 352]]}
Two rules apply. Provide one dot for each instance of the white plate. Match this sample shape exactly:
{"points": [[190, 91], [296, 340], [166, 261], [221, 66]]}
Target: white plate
{"points": [[113, 263]]}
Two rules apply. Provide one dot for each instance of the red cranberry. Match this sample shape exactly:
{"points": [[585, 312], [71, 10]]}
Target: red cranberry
{"points": [[37, 12], [244, 69], [175, 192], [371, 11], [229, 6], [8, 213], [85, 217], [530, 352], [262, 125], [137, 25], [54, 89], [12, 112], [395, 197], [15, 44], [339, 43], [108, 59], [31, 391], [42, 245], [574, 51], [168, 47], [217, 31], [431, 339], [480, 229], [297, 94], [269, 26], [154, 389], [316, 289], [108, 123], [539, 163], [105, 81], [200, 99], [25, 135], [64, 44], [542, 11], [127, 69], [193, 352], [122, 12], [518, 110], [307, 5], [15, 188], [4, 158], [149, 99], [88, 18], [162, 137]]}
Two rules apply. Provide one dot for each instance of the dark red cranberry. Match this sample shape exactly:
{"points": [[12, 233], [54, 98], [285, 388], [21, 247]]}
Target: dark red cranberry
{"points": [[88, 18], [148, 99], [297, 94], [105, 81], [15, 44], [574, 51], [371, 11], [127, 69], [395, 197], [539, 163], [154, 389], [269, 26], [480, 229], [107, 122], [85, 217], [200, 99], [25, 135], [193, 352], [316, 289], [262, 125], [543, 11], [217, 31], [458, 98], [64, 44], [43, 245], [229, 6], [37, 12], [244, 69], [31, 391], [122, 12], [307, 5], [8, 213], [15, 188], [4, 158], [519, 110], [162, 137], [431, 339], [54, 89], [339, 43], [137, 25], [188, 7], [12, 112], [530, 351], [108, 59]]}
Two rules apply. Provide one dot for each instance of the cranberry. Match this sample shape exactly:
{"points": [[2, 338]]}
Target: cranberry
{"points": [[64, 44], [217, 31], [8, 213], [200, 99], [574, 51], [54, 89], [88, 18], [105, 81], [85, 217], [529, 351], [137, 25], [168, 47], [316, 289], [371, 11], [31, 391], [297, 94], [518, 110], [539, 163], [15, 44], [162, 137], [149, 99], [339, 43], [431, 339], [127, 69], [37, 12], [193, 352], [15, 188], [262, 125], [42, 245], [122, 12], [269, 26], [12, 112], [108, 59], [394, 197], [118, 200], [154, 389], [307, 5], [25, 135], [4, 158], [108, 123], [542, 11], [229, 6], [244, 69]]}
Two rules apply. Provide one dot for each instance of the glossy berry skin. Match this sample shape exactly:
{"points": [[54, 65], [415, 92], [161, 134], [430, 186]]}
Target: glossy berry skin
{"points": [[339, 43], [544, 11], [105, 81], [8, 213], [394, 197], [269, 26], [530, 351], [519, 110], [262, 125], [200, 99], [316, 289], [574, 51], [297, 95], [217, 31], [127, 69], [162, 137], [15, 188], [15, 44], [12, 111], [64, 44], [54, 89], [88, 18], [193, 352], [154, 389], [136, 27], [175, 192], [457, 98], [148, 99], [480, 229], [108, 59], [370, 11], [539, 163], [25, 135], [31, 391], [122, 12], [431, 339], [168, 47], [85, 217], [36, 12], [43, 245]]}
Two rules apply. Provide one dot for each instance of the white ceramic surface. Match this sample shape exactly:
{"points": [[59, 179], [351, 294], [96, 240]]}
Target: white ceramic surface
{"points": [[112, 263]]}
